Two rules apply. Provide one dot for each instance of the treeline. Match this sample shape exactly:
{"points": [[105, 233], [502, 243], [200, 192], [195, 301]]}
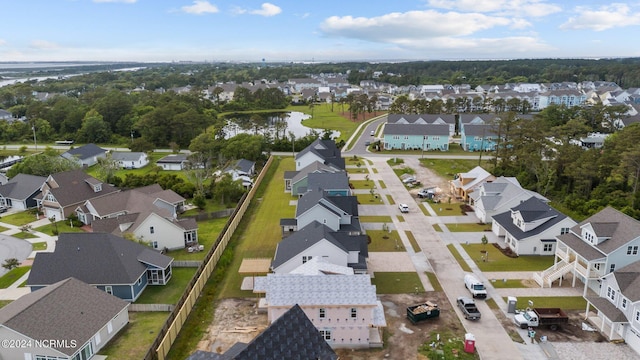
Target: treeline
{"points": [[543, 155]]}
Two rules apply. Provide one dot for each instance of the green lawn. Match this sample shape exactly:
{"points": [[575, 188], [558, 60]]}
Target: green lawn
{"points": [[374, 218], [4, 303], [468, 227], [395, 161], [563, 302], [424, 210], [12, 276], [24, 235], [134, 340], [3, 229], [497, 261], [210, 206], [357, 170], [412, 240], [458, 257], [352, 160], [380, 244], [375, 171], [447, 168], [207, 234], [367, 199], [260, 232], [437, 228], [324, 118], [390, 200], [510, 283], [362, 184], [434, 281], [397, 283], [400, 218], [39, 246], [382, 184], [19, 219], [443, 209], [170, 293], [62, 226]]}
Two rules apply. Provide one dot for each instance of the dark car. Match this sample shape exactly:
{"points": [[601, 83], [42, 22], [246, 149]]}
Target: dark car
{"points": [[468, 308]]}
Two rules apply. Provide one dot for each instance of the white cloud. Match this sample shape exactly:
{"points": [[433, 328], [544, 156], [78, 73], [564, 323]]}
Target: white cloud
{"points": [[115, 1], [267, 9], [3, 42], [200, 7], [412, 26], [530, 8], [603, 18], [43, 44]]}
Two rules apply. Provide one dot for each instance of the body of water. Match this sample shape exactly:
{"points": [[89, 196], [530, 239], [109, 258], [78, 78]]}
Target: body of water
{"points": [[279, 125]]}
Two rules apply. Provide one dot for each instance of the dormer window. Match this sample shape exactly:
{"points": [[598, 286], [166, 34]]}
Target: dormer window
{"points": [[97, 187], [50, 197]]}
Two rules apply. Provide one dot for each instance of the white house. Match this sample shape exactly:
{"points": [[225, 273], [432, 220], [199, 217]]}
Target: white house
{"points": [[344, 308], [465, 183], [324, 151], [130, 160], [173, 162], [82, 318], [18, 193], [86, 155], [531, 227], [618, 306], [599, 245], [498, 196]]}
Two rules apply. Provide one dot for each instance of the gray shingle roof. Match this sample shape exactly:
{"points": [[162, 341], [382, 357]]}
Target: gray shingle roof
{"points": [[173, 159], [86, 151], [617, 226], [607, 308], [628, 279], [22, 186], [532, 209], [328, 181], [428, 118], [325, 149], [72, 187], [417, 129], [95, 258], [68, 309], [126, 155]]}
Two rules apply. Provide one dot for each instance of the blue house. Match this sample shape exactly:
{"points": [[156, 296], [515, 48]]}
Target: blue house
{"points": [[441, 119], [117, 266], [478, 137], [416, 136]]}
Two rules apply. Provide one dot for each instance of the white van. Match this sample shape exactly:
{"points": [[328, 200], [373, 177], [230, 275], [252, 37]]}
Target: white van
{"points": [[475, 286]]}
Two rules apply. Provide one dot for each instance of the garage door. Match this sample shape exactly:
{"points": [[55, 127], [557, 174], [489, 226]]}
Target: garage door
{"points": [[49, 213], [633, 339]]}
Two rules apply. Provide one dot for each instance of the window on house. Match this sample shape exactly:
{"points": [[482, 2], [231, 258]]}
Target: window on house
{"points": [[154, 244], [50, 197], [97, 188], [624, 303], [637, 315], [547, 247], [306, 258], [326, 334], [564, 231], [597, 266], [151, 230], [140, 280], [611, 294], [612, 268], [632, 250], [108, 289], [354, 313], [322, 313]]}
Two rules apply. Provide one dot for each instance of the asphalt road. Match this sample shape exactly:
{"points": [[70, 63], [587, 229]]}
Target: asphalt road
{"points": [[11, 247]]}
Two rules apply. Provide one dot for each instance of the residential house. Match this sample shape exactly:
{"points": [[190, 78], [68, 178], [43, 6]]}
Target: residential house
{"points": [[119, 267], [339, 213], [294, 180], [19, 192], [344, 308], [173, 162], [478, 137], [148, 213], [316, 239], [86, 155], [65, 320], [416, 136], [62, 193], [291, 336], [423, 119], [600, 244], [130, 160], [567, 97], [593, 141], [3, 178], [531, 227], [617, 306], [464, 184], [324, 151], [6, 115], [495, 197], [242, 170]]}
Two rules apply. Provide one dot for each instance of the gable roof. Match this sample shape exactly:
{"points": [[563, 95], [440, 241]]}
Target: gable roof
{"points": [[313, 233], [318, 197], [619, 227], [95, 258], [136, 200], [242, 165], [421, 118], [292, 336], [326, 150], [84, 152], [22, 186], [628, 279], [126, 155], [416, 129], [314, 167], [74, 186], [68, 309], [531, 210], [173, 159], [328, 181]]}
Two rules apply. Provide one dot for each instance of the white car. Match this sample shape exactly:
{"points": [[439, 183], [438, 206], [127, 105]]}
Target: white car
{"points": [[404, 208]]}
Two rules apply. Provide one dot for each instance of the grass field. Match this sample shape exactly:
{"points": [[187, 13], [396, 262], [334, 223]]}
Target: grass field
{"points": [[324, 118], [448, 168], [468, 227], [12, 276], [24, 235], [367, 199], [136, 338], [397, 283], [362, 184], [374, 218], [170, 293], [563, 302], [208, 232], [412, 240], [18, 219], [458, 257], [434, 281], [61, 226], [497, 261], [510, 283], [384, 241]]}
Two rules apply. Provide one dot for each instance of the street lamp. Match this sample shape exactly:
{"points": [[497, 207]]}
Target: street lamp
{"points": [[35, 142]]}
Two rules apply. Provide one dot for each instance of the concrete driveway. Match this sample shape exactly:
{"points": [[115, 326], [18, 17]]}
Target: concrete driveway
{"points": [[11, 247]]}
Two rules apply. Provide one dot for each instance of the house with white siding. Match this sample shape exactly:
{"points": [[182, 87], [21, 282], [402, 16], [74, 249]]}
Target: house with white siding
{"points": [[324, 151], [19, 192], [130, 160], [86, 155], [497, 196]]}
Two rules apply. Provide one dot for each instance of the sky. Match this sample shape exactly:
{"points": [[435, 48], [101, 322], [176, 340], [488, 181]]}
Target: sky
{"points": [[320, 31]]}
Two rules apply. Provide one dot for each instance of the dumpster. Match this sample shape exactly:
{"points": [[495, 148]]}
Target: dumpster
{"points": [[511, 304], [469, 343]]}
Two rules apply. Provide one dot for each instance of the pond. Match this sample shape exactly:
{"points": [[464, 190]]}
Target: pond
{"points": [[278, 124]]}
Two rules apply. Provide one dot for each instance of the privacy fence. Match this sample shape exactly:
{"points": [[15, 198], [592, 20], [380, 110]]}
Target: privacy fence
{"points": [[169, 332]]}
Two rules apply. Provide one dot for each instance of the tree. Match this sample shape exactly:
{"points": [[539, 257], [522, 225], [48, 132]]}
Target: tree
{"points": [[94, 129], [226, 190], [10, 263], [107, 168], [43, 164]]}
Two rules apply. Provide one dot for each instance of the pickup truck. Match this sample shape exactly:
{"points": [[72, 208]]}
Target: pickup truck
{"points": [[551, 317], [468, 308], [475, 286], [420, 312]]}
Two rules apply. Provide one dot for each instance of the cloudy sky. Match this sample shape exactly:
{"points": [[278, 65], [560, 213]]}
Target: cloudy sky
{"points": [[327, 30]]}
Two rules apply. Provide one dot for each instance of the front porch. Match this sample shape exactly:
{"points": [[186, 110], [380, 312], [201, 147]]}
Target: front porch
{"points": [[609, 320], [569, 263]]}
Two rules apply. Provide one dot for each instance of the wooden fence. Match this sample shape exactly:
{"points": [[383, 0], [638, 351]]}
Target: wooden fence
{"points": [[172, 326], [151, 307], [186, 263]]}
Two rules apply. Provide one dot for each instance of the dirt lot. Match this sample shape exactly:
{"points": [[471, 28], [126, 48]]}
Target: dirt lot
{"points": [[236, 321]]}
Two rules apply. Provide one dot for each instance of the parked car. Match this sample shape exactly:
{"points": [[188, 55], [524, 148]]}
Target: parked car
{"points": [[367, 143], [404, 208], [475, 286], [426, 193], [373, 132], [468, 308], [551, 317], [3, 209]]}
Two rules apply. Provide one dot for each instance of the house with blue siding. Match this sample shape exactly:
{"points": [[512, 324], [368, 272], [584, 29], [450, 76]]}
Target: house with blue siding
{"points": [[478, 137], [441, 119], [118, 266], [416, 136]]}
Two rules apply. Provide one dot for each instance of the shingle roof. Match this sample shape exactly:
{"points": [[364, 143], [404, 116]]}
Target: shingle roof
{"points": [[85, 151], [292, 337], [173, 159], [22, 186], [328, 181], [325, 149], [126, 155], [606, 307], [73, 187], [314, 167], [617, 226], [428, 118], [95, 258], [531, 210], [417, 129], [68, 309], [628, 279]]}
